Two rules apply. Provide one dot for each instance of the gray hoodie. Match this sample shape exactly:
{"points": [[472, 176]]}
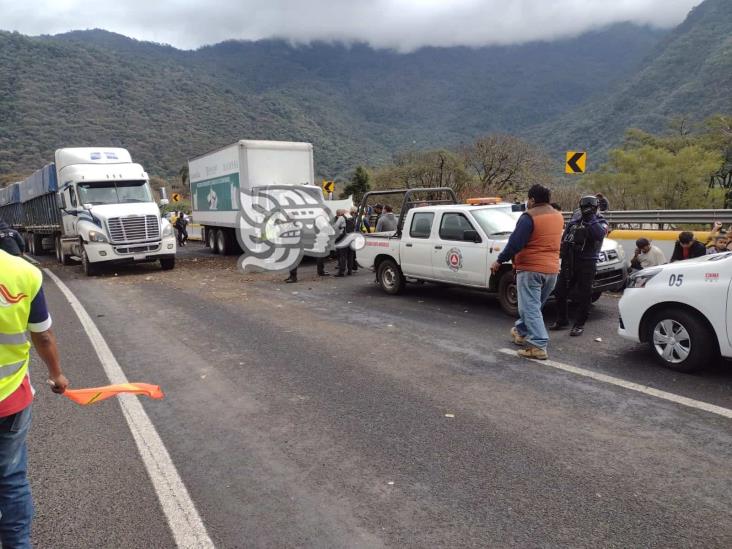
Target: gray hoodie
{"points": [[387, 222]]}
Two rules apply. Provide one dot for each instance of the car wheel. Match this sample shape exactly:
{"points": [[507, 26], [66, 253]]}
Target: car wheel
{"points": [[681, 340], [390, 277], [508, 294]]}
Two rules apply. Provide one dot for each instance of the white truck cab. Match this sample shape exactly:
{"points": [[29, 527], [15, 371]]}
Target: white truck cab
{"points": [[456, 244], [108, 212]]}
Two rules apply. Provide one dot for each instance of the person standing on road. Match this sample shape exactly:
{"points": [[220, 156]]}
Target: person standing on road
{"points": [[180, 225], [534, 249], [340, 233], [351, 228], [581, 245], [22, 308], [10, 240]]}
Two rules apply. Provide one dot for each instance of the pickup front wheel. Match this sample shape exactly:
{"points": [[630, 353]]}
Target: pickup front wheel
{"points": [[390, 277], [507, 293]]}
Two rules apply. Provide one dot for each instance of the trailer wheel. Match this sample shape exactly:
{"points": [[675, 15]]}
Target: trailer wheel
{"points": [[508, 294], [224, 242], [37, 241], [90, 269], [212, 238]]}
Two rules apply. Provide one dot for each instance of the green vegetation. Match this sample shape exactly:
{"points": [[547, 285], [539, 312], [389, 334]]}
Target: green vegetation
{"points": [[681, 169]]}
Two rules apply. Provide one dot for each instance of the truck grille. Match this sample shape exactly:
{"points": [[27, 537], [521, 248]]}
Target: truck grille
{"points": [[136, 228], [610, 255]]}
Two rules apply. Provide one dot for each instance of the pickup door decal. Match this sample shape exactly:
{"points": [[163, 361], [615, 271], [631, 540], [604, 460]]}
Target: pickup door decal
{"points": [[454, 259]]}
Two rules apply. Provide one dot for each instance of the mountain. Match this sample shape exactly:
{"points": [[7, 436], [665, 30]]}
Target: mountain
{"points": [[354, 103], [688, 74]]}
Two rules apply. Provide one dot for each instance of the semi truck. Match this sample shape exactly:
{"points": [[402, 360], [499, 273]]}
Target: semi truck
{"points": [[215, 179], [93, 205]]}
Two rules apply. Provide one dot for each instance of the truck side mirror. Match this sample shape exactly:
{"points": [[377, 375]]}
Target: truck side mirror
{"points": [[471, 235]]}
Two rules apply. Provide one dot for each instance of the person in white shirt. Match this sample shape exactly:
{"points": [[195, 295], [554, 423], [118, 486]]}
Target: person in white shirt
{"points": [[646, 255]]}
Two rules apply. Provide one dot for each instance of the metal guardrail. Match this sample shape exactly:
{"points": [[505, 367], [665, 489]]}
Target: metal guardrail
{"points": [[665, 217]]}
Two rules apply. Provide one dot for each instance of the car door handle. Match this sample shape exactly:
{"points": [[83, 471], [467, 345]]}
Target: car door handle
{"points": [[408, 245], [438, 247]]}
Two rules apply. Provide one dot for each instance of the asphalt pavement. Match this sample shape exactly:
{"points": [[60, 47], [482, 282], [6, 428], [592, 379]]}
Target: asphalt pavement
{"points": [[329, 414]]}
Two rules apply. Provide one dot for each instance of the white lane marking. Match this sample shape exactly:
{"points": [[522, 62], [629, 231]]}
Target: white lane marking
{"points": [[31, 259], [184, 521], [671, 397]]}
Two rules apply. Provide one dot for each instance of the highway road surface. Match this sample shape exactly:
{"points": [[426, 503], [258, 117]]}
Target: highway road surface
{"points": [[328, 414]]}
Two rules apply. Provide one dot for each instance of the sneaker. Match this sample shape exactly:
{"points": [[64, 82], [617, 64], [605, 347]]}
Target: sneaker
{"points": [[558, 326], [290, 280], [517, 338], [533, 352], [577, 331]]}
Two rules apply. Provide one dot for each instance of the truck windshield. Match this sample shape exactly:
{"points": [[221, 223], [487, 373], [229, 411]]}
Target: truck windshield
{"points": [[495, 221], [114, 192]]}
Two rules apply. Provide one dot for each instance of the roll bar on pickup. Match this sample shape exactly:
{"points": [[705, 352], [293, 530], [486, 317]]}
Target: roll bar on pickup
{"points": [[424, 196]]}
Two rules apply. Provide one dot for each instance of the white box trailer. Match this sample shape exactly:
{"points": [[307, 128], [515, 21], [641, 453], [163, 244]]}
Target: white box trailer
{"points": [[217, 176]]}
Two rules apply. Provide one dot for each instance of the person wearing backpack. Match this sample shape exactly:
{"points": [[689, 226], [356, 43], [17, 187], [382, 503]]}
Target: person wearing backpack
{"points": [[180, 226]]}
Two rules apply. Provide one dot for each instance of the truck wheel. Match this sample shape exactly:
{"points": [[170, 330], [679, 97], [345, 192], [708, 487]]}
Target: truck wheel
{"points": [[60, 255], [681, 341], [167, 263], [37, 242], [90, 269], [224, 241], [390, 277], [508, 294], [212, 238]]}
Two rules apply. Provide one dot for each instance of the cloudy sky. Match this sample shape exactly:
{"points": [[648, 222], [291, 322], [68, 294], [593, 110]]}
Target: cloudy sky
{"points": [[400, 24]]}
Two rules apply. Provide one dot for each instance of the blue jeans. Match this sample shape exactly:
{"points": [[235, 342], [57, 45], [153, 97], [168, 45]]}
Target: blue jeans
{"points": [[533, 291], [16, 505]]}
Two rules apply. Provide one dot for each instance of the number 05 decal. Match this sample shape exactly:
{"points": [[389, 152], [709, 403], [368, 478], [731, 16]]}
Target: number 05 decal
{"points": [[676, 280]]}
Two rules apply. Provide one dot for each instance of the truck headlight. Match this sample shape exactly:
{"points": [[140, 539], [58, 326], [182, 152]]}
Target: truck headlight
{"points": [[621, 253], [96, 236], [641, 278], [167, 229]]}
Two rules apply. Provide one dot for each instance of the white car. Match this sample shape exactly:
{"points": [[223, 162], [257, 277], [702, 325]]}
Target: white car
{"points": [[681, 311]]}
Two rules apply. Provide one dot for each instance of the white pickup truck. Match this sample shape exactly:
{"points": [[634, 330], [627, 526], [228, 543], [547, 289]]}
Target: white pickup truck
{"points": [[456, 244]]}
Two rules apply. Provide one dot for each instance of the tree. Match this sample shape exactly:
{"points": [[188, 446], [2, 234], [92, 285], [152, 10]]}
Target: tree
{"points": [[653, 177], [504, 163], [358, 186], [438, 168], [183, 175]]}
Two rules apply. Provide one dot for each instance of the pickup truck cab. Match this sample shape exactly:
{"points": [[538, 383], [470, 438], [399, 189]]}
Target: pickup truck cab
{"points": [[456, 244]]}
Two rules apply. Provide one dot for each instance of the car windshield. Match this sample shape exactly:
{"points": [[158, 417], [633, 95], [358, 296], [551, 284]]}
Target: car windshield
{"points": [[495, 221], [114, 192]]}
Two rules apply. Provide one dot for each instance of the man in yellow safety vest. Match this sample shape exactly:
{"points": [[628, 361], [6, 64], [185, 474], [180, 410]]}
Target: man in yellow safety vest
{"points": [[22, 308]]}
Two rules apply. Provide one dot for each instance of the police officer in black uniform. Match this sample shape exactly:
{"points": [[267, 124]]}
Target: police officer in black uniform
{"points": [[580, 251], [10, 240]]}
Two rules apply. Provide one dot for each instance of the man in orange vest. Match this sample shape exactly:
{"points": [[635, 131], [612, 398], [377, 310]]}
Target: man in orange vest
{"points": [[534, 248], [22, 308]]}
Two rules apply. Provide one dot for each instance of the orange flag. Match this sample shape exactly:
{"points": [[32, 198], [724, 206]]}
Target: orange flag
{"points": [[95, 394]]}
